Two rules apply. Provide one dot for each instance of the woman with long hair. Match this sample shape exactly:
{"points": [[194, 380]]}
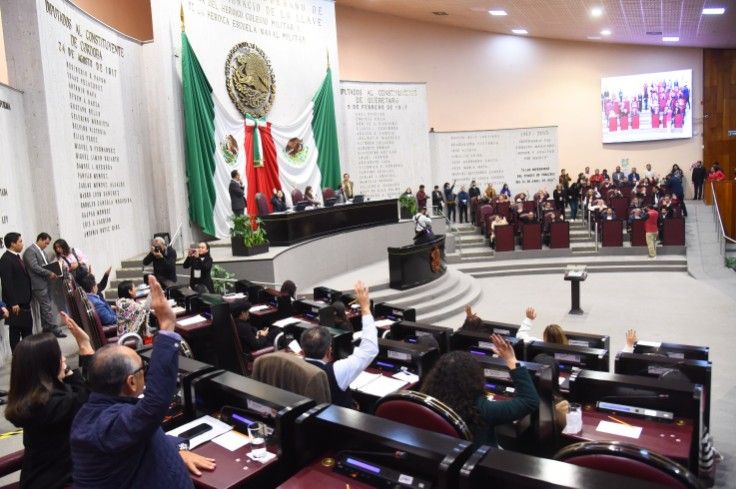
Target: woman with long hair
{"points": [[44, 397], [457, 380]]}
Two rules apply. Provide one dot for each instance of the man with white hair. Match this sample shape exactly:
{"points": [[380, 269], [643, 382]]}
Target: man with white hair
{"points": [[163, 258]]}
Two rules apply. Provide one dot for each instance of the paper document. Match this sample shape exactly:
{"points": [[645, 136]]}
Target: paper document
{"points": [[382, 386], [295, 347], [178, 310], [261, 307], [286, 321], [407, 377], [191, 320], [54, 267], [619, 429], [363, 379], [384, 323], [232, 440], [218, 428], [234, 296]]}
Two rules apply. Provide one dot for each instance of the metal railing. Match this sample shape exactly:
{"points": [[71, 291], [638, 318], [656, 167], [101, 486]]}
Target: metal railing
{"points": [[720, 231]]}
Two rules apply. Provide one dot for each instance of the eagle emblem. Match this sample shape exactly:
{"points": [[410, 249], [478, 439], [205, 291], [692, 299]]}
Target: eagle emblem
{"points": [[250, 79]]}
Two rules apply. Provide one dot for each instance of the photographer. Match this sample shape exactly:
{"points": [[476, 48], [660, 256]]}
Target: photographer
{"points": [[422, 227], [164, 262], [200, 262]]}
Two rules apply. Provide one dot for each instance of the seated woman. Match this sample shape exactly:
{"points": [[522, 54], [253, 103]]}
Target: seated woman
{"points": [[104, 311], [44, 397], [497, 221], [309, 196], [457, 380], [251, 338], [289, 288], [200, 262], [341, 319], [505, 190], [75, 263], [132, 315], [278, 201]]}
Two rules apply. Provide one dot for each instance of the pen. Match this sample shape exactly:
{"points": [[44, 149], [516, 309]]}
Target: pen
{"points": [[619, 421]]}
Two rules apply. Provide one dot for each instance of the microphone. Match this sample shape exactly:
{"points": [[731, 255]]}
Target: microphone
{"points": [[396, 454]]}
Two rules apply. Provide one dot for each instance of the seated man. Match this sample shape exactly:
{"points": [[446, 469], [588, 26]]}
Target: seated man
{"points": [[251, 338], [116, 438], [104, 311], [317, 346]]}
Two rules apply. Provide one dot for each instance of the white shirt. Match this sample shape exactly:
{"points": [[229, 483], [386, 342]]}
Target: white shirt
{"points": [[348, 369], [45, 260], [524, 332], [422, 223]]}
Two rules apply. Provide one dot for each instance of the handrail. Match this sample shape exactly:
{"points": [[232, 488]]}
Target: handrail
{"points": [[178, 234], [722, 238]]}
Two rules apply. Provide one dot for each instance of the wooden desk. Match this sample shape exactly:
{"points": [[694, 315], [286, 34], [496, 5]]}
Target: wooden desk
{"points": [[287, 228], [658, 437], [190, 328], [233, 468], [265, 317], [366, 401], [318, 476]]}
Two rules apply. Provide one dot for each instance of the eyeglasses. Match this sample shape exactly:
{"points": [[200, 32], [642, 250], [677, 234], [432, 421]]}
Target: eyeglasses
{"points": [[143, 368]]}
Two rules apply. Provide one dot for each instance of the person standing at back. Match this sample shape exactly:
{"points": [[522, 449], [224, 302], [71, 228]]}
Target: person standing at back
{"points": [[450, 200], [651, 230], [237, 193], [16, 289], [35, 258], [200, 262], [437, 200], [698, 178]]}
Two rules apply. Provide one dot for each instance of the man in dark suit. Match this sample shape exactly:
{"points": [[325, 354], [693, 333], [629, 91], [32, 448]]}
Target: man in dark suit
{"points": [[237, 194], [16, 289], [163, 258], [116, 438], [35, 258]]}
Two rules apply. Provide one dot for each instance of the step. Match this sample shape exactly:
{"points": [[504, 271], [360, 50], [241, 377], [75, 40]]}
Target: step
{"points": [[129, 273], [561, 263], [388, 295], [653, 267], [472, 297], [411, 297]]}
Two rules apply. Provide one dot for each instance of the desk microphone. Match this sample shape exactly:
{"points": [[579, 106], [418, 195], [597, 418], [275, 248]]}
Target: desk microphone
{"points": [[635, 398], [397, 454]]}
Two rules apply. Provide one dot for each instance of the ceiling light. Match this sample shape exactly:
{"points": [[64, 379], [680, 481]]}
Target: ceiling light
{"points": [[519, 31], [670, 39], [596, 11], [606, 32], [713, 11], [594, 38], [497, 13]]}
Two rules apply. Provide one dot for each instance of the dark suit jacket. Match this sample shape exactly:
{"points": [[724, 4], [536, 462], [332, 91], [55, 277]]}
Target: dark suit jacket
{"points": [[15, 280], [118, 442], [237, 196], [164, 268]]}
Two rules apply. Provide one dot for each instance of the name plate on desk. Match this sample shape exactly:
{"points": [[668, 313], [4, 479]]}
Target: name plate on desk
{"points": [[619, 429], [191, 321], [566, 357], [397, 355]]}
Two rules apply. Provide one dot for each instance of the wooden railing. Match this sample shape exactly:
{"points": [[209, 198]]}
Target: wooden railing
{"points": [[723, 195]]}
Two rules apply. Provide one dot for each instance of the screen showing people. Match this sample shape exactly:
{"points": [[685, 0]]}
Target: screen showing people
{"points": [[646, 107]]}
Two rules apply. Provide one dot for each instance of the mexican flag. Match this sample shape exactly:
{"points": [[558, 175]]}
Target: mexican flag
{"points": [[301, 153]]}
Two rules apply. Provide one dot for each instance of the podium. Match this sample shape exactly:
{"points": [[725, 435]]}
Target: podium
{"points": [[417, 264], [575, 276]]}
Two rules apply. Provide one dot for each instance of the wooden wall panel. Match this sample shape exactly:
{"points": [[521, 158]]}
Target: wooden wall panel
{"points": [[719, 108], [130, 17], [726, 196]]}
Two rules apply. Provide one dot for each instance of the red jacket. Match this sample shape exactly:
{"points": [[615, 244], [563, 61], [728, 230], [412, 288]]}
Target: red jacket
{"points": [[650, 225]]}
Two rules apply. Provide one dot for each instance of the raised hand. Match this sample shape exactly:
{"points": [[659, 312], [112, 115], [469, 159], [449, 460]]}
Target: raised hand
{"points": [[504, 350], [85, 347], [531, 313], [161, 307], [361, 296]]}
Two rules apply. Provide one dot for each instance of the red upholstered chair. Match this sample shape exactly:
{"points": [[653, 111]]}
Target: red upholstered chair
{"points": [[629, 460], [10, 463], [530, 206], [531, 236], [262, 204], [296, 196], [422, 411], [620, 206], [637, 236], [559, 234], [502, 208], [505, 237], [328, 193], [485, 211], [673, 232], [612, 232], [626, 191]]}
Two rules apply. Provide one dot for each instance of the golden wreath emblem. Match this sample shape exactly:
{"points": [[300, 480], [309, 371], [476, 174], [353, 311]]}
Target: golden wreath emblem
{"points": [[250, 80]]}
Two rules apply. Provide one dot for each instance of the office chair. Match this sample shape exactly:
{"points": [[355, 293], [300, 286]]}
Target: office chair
{"points": [[422, 411]]}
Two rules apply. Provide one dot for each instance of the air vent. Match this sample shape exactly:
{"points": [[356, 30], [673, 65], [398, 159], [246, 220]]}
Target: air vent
{"points": [[440, 13], [654, 33]]}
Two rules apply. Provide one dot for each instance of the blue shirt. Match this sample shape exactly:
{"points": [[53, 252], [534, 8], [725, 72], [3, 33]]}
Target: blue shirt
{"points": [[463, 196], [104, 311], [117, 442]]}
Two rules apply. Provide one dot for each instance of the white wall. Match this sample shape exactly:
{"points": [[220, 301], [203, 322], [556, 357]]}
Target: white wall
{"points": [[479, 80]]}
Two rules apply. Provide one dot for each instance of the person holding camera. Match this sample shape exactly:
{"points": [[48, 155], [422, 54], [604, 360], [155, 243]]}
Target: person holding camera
{"points": [[163, 258], [200, 262]]}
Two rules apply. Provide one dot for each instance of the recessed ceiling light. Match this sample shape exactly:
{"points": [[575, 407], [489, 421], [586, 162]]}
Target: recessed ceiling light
{"points": [[594, 38], [596, 11], [497, 13], [440, 12], [519, 31], [606, 32], [713, 11], [670, 39]]}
